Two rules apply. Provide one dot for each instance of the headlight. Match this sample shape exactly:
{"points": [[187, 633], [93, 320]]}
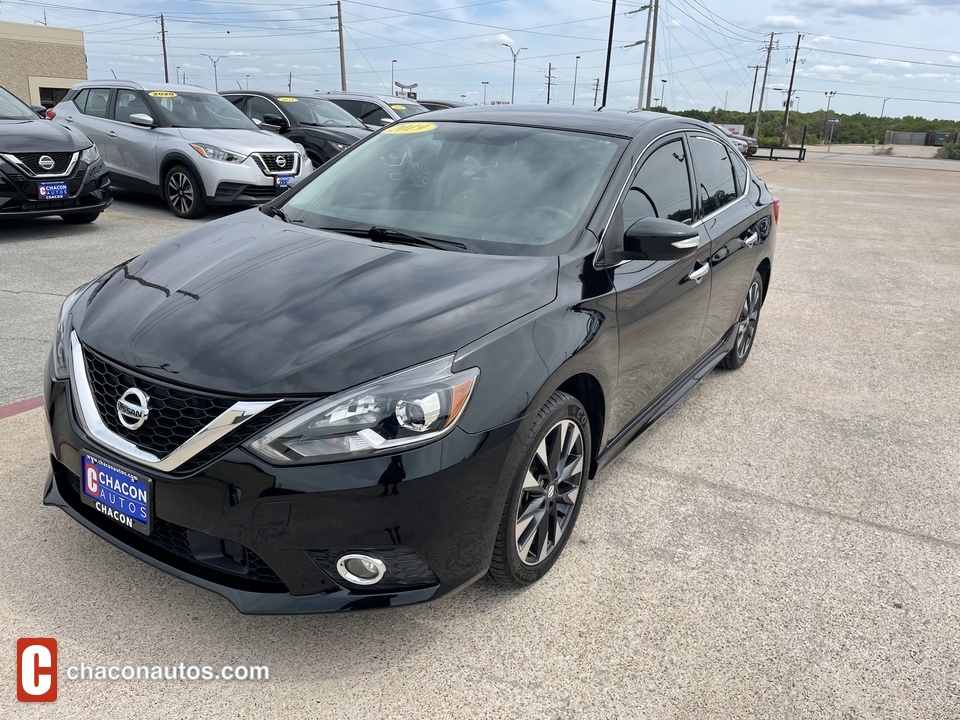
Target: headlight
{"points": [[90, 155], [397, 412], [301, 149], [339, 147], [215, 153], [61, 344]]}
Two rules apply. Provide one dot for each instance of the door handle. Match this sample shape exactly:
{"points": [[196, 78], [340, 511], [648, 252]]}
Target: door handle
{"points": [[111, 134], [69, 118], [699, 272], [751, 239]]}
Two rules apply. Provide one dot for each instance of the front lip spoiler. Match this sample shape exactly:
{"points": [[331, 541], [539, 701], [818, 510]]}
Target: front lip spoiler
{"points": [[245, 601], [46, 212]]}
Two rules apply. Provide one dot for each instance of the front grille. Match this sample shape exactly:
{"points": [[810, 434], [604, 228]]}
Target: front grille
{"points": [[175, 539], [406, 570], [278, 163], [61, 161], [176, 415]]}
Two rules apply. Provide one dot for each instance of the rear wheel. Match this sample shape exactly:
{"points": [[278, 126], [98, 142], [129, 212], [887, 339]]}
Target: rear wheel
{"points": [[80, 218], [746, 325], [548, 487], [184, 193]]}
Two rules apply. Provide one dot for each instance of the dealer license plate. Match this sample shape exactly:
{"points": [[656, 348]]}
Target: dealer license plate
{"points": [[52, 191], [118, 494], [283, 181]]}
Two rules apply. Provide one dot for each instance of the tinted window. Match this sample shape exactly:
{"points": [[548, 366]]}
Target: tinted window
{"points": [[661, 187], [12, 107], [97, 102], [715, 180], [129, 103], [740, 170], [351, 106], [237, 100], [199, 110], [257, 107], [372, 114], [314, 111], [406, 111], [81, 100]]}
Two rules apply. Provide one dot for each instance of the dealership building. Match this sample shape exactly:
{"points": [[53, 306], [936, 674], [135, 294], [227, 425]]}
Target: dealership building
{"points": [[39, 63]]}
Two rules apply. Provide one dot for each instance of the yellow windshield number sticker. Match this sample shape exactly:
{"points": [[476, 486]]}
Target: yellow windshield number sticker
{"points": [[287, 99], [399, 107], [410, 128], [162, 93]]}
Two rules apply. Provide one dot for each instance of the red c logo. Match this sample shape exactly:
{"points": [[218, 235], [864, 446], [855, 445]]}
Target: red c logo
{"points": [[92, 486], [36, 669]]}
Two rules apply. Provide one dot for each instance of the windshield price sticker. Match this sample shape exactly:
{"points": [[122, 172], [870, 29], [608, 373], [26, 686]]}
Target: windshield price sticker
{"points": [[162, 93], [287, 99], [399, 107], [408, 128]]}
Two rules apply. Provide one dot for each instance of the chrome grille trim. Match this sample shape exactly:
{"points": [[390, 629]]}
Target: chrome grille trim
{"points": [[15, 161]]}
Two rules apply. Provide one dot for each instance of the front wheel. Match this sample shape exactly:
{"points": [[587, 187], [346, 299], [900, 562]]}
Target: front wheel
{"points": [[547, 491], [184, 193], [746, 325]]}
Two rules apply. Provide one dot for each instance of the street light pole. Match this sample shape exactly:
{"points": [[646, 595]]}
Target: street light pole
{"points": [[393, 64], [248, 82], [513, 84], [883, 107], [663, 95], [826, 115], [576, 67], [216, 86], [484, 83]]}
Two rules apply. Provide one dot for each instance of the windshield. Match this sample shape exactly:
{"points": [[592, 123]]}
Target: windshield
{"points": [[200, 110], [405, 111], [11, 108], [497, 189], [314, 111]]}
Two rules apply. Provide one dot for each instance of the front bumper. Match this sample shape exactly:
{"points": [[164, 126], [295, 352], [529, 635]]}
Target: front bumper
{"points": [[266, 538], [244, 183], [88, 188]]}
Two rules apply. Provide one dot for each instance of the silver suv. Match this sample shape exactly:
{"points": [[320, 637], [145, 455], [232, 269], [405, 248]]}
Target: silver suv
{"points": [[185, 143], [375, 111]]}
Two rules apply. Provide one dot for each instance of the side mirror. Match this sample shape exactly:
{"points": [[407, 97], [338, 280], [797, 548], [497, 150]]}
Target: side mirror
{"points": [[39, 110], [276, 121], [387, 121], [142, 119], [657, 239]]}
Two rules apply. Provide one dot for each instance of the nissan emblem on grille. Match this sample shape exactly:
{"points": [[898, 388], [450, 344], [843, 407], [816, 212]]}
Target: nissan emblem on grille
{"points": [[132, 408], [46, 162], [281, 161]]}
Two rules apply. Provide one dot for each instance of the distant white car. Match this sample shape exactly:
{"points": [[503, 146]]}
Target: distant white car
{"points": [[740, 145]]}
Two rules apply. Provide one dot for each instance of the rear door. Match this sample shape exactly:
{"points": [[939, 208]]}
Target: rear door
{"points": [[661, 305], [136, 146], [93, 109], [730, 221]]}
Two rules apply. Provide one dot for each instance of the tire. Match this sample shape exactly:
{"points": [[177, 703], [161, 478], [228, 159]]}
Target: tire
{"points": [[746, 326], [184, 193], [80, 218], [548, 502]]}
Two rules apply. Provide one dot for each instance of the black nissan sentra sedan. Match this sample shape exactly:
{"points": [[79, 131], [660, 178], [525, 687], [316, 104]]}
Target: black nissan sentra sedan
{"points": [[403, 374]]}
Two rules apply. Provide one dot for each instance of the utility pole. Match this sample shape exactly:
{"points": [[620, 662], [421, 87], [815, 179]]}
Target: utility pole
{"points": [[596, 91], [606, 71], [653, 50], [881, 139], [484, 83], [290, 81], [549, 80], [646, 50], [343, 61], [826, 118], [163, 42], [576, 67], [786, 110], [766, 70], [753, 90], [513, 84]]}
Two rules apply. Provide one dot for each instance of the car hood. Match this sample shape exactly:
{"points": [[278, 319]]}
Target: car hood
{"points": [[39, 136], [241, 141], [343, 135], [249, 305]]}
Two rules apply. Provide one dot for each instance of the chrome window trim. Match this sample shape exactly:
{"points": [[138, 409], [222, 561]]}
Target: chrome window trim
{"points": [[15, 161], [263, 163], [89, 417]]}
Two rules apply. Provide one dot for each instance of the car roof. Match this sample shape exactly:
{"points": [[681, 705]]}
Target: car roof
{"points": [[272, 94], [133, 85], [606, 121], [445, 103], [383, 98]]}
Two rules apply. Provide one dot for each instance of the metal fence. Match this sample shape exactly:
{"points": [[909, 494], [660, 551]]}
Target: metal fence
{"points": [[904, 138]]}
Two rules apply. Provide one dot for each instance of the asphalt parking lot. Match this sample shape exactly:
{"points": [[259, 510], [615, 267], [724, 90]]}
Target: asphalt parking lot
{"points": [[784, 543]]}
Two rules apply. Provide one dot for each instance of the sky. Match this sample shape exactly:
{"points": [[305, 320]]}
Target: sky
{"points": [[864, 50]]}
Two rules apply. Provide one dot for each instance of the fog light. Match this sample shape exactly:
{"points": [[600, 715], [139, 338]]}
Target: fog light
{"points": [[361, 569]]}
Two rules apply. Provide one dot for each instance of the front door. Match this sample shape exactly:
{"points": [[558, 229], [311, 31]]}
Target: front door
{"points": [[136, 145], [661, 305]]}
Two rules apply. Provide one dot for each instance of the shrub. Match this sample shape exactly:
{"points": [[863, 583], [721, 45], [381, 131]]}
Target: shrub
{"points": [[887, 150], [950, 151], [768, 141]]}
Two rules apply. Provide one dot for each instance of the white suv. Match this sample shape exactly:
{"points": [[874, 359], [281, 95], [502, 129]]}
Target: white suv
{"points": [[185, 143]]}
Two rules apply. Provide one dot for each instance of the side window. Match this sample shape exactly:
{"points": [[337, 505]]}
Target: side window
{"points": [[257, 107], [715, 180], [740, 170], [237, 101], [351, 106], [81, 100], [96, 104], [661, 187], [372, 114], [129, 103]]}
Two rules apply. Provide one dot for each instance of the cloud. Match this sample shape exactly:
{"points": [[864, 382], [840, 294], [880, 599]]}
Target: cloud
{"points": [[236, 53], [502, 38], [248, 70], [191, 66], [928, 76], [827, 70], [874, 77], [674, 24], [954, 59], [882, 62], [359, 67], [821, 40], [784, 21]]}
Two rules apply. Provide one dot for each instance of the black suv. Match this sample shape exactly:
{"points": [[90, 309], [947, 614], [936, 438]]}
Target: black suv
{"points": [[322, 127], [46, 169]]}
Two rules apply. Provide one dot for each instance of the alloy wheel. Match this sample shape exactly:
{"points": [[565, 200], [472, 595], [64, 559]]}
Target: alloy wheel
{"points": [[749, 315], [549, 494], [180, 191]]}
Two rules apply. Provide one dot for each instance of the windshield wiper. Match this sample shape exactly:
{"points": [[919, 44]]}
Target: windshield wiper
{"points": [[271, 211], [385, 234]]}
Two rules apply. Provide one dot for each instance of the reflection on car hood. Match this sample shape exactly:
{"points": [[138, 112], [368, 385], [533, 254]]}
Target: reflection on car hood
{"points": [[238, 140], [344, 135], [39, 136], [249, 305]]}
